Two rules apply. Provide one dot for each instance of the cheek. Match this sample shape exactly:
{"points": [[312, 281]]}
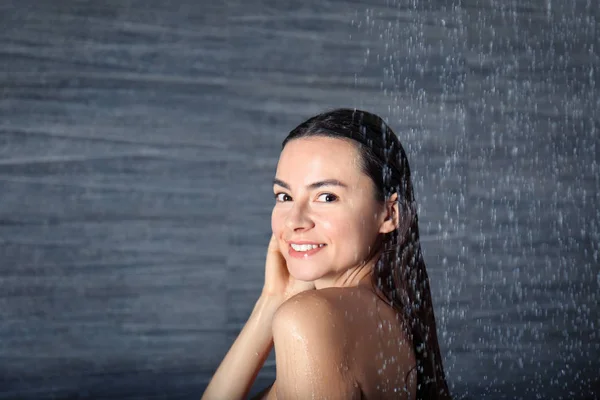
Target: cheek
{"points": [[333, 224], [276, 221], [343, 227], [360, 230], [352, 236]]}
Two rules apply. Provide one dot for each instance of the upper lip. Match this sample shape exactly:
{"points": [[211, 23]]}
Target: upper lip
{"points": [[302, 242]]}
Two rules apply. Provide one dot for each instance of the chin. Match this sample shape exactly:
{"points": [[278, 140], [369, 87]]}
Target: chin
{"points": [[304, 272]]}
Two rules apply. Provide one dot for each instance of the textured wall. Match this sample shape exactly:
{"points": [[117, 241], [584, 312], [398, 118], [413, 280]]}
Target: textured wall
{"points": [[138, 141]]}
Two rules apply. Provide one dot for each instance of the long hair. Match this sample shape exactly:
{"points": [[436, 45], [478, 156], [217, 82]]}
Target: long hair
{"points": [[399, 274]]}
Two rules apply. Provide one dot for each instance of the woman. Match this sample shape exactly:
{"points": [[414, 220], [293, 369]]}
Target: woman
{"points": [[346, 299]]}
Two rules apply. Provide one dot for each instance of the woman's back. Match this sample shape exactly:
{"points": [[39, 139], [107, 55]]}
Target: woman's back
{"points": [[378, 355], [384, 353]]}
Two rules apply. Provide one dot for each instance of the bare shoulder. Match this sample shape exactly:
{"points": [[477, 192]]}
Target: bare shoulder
{"points": [[311, 349], [345, 332], [328, 314], [342, 314], [312, 317], [308, 308]]}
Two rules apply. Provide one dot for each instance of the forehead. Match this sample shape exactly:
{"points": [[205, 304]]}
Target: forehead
{"points": [[320, 157]]}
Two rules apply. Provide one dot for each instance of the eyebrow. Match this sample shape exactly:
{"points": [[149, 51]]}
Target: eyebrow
{"points": [[312, 186]]}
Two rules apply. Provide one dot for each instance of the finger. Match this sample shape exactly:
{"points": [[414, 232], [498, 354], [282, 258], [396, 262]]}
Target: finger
{"points": [[276, 265], [273, 244]]}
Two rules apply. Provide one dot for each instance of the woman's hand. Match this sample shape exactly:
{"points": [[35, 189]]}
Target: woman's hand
{"points": [[279, 283]]}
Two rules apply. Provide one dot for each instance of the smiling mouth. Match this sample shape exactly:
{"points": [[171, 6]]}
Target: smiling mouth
{"points": [[304, 251], [305, 247]]}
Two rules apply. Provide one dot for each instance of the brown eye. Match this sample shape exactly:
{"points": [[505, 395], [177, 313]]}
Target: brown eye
{"points": [[282, 197], [328, 197]]}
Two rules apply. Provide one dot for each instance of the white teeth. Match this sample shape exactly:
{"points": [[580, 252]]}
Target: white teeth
{"points": [[305, 247]]}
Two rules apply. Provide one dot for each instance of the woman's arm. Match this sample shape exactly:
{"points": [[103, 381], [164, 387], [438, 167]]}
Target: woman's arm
{"points": [[241, 365]]}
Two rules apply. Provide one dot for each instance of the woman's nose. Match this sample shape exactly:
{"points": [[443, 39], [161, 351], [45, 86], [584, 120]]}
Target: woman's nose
{"points": [[298, 218]]}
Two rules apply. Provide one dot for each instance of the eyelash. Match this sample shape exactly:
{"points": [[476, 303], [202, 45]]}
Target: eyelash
{"points": [[335, 198]]}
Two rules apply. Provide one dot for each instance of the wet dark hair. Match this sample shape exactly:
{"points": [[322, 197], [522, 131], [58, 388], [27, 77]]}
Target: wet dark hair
{"points": [[399, 275]]}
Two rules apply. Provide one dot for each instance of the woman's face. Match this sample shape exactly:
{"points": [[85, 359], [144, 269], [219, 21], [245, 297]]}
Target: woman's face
{"points": [[326, 218]]}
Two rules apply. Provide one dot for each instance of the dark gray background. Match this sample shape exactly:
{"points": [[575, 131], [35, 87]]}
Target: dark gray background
{"points": [[138, 140]]}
